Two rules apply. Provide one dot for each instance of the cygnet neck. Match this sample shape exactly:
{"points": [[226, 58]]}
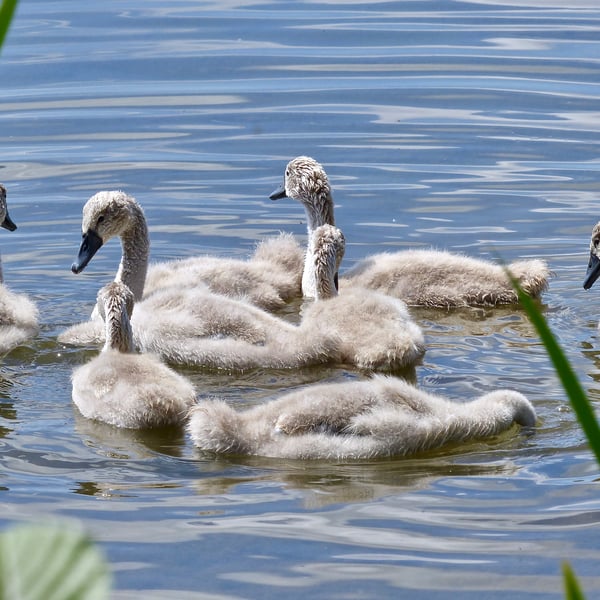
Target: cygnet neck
{"points": [[319, 211], [119, 335], [134, 260]]}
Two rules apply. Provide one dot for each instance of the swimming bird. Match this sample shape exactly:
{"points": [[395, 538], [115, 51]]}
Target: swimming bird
{"points": [[121, 387], [434, 278], [305, 180], [593, 269], [376, 331], [188, 324], [196, 327], [18, 314], [383, 416], [269, 279], [191, 325]]}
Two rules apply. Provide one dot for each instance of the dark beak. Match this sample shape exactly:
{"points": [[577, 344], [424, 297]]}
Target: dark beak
{"points": [[593, 272], [336, 280], [279, 193], [90, 244], [8, 223]]}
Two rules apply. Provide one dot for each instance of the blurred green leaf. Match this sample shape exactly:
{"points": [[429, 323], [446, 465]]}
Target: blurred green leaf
{"points": [[572, 589], [40, 562], [578, 398], [6, 14], [48, 562]]}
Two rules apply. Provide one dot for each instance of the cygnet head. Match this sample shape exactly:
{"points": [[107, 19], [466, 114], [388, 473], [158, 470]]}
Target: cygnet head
{"points": [[5, 220], [305, 180], [329, 246], [520, 408], [593, 270], [107, 214], [115, 305]]}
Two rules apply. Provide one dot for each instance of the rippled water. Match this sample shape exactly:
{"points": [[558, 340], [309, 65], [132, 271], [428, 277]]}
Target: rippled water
{"points": [[469, 126]]}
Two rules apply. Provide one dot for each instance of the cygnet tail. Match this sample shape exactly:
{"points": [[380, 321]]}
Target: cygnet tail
{"points": [[15, 335], [216, 427], [282, 251], [394, 352], [532, 275], [88, 333]]}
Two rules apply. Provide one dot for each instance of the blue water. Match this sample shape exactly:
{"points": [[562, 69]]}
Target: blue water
{"points": [[468, 126]]}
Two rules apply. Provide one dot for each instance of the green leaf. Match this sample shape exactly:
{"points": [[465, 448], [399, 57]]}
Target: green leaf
{"points": [[578, 398], [572, 589], [6, 14], [40, 562]]}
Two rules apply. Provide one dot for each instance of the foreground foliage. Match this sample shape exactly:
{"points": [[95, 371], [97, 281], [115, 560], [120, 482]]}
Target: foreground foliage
{"points": [[577, 397]]}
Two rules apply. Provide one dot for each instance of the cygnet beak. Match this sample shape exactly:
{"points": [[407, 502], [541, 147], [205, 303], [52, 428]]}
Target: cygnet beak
{"points": [[279, 193], [8, 223], [90, 244], [593, 272]]}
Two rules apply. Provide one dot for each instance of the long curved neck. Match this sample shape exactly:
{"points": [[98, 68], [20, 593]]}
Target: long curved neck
{"points": [[319, 212], [323, 257], [325, 281], [134, 260], [319, 278], [119, 335]]}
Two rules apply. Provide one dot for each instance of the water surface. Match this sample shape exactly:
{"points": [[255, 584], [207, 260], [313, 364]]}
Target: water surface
{"points": [[467, 126]]}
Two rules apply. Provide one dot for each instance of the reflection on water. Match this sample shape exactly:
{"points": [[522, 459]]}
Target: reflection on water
{"points": [[125, 443], [472, 126], [322, 485]]}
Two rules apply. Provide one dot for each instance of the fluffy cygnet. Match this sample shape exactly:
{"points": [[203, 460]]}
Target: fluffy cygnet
{"points": [[188, 324], [354, 420], [375, 331], [18, 314], [121, 387], [269, 279], [593, 269], [433, 278]]}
